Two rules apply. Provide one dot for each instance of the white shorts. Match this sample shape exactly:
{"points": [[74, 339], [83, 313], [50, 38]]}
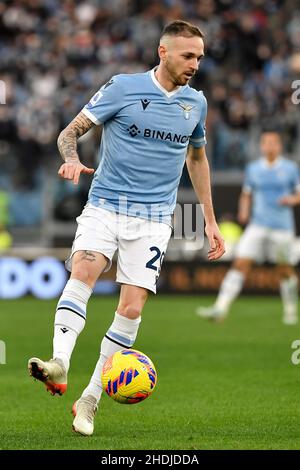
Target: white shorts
{"points": [[141, 244], [265, 244]]}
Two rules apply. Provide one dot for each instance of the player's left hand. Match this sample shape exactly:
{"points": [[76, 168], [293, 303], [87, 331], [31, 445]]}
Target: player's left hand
{"points": [[216, 242], [289, 200]]}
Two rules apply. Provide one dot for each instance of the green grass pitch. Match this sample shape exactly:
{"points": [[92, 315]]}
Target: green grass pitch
{"points": [[220, 386]]}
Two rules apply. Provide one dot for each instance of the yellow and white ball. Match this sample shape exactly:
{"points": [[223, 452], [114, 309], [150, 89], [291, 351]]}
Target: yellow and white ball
{"points": [[129, 376]]}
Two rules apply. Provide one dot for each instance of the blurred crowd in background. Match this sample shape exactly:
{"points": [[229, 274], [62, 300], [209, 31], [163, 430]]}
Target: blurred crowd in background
{"points": [[55, 54]]}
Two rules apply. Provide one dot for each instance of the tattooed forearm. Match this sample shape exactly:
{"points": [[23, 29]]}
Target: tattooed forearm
{"points": [[67, 139], [88, 256]]}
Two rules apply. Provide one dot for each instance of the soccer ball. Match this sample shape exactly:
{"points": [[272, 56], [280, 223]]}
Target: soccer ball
{"points": [[129, 376]]}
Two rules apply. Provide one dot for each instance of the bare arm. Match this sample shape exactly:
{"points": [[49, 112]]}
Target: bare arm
{"points": [[67, 145], [244, 208], [199, 172]]}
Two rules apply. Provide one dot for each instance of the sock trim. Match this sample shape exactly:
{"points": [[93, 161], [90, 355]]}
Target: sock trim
{"points": [[71, 310], [67, 303], [120, 338], [117, 342]]}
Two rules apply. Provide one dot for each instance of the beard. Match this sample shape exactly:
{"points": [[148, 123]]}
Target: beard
{"points": [[177, 79]]}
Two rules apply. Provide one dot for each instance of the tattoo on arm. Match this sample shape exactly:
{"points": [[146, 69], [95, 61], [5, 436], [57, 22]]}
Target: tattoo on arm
{"points": [[88, 256], [67, 139]]}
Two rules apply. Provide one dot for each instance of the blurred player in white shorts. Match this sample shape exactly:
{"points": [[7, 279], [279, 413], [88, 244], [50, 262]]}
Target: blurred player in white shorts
{"points": [[271, 189], [153, 123]]}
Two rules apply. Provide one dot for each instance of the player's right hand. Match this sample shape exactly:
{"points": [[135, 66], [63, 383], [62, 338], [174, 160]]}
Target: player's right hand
{"points": [[72, 171], [216, 242]]}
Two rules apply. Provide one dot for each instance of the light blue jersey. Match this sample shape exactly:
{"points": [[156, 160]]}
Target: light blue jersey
{"points": [[146, 132], [268, 184]]}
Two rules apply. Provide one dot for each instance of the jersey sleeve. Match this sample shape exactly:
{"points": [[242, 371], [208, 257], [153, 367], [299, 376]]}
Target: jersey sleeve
{"points": [[198, 137], [106, 102], [248, 183]]}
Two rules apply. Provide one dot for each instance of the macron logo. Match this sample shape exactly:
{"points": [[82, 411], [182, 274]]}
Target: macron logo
{"points": [[145, 103]]}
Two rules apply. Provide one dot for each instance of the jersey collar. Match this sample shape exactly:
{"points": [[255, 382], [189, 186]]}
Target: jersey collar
{"points": [[156, 83], [274, 164]]}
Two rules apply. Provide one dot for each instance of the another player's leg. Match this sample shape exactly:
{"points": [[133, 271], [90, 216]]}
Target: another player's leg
{"points": [[230, 289], [289, 295], [282, 251], [70, 320], [250, 249], [121, 334]]}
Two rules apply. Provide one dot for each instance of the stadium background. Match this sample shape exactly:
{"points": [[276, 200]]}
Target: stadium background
{"points": [[53, 56]]}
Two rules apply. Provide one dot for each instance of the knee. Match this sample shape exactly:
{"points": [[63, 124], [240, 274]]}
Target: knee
{"points": [[242, 265], [131, 311], [82, 274], [132, 301]]}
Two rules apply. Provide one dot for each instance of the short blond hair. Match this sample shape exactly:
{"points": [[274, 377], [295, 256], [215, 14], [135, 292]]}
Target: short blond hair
{"points": [[181, 28]]}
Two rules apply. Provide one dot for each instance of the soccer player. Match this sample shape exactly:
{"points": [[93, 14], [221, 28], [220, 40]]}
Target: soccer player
{"points": [[152, 122], [271, 189]]}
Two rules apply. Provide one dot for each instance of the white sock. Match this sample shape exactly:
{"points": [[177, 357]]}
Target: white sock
{"points": [[289, 296], [230, 288], [70, 319], [121, 334]]}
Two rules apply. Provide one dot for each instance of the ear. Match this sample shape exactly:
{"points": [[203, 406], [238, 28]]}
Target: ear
{"points": [[162, 52]]}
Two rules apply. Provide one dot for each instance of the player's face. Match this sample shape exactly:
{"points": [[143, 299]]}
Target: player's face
{"points": [[270, 144], [182, 57]]}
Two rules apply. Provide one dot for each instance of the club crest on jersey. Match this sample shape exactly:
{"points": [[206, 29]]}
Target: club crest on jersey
{"points": [[187, 108]]}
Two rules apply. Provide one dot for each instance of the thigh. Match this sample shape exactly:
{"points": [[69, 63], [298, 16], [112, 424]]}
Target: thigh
{"points": [[252, 244], [281, 247], [140, 257], [96, 233]]}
